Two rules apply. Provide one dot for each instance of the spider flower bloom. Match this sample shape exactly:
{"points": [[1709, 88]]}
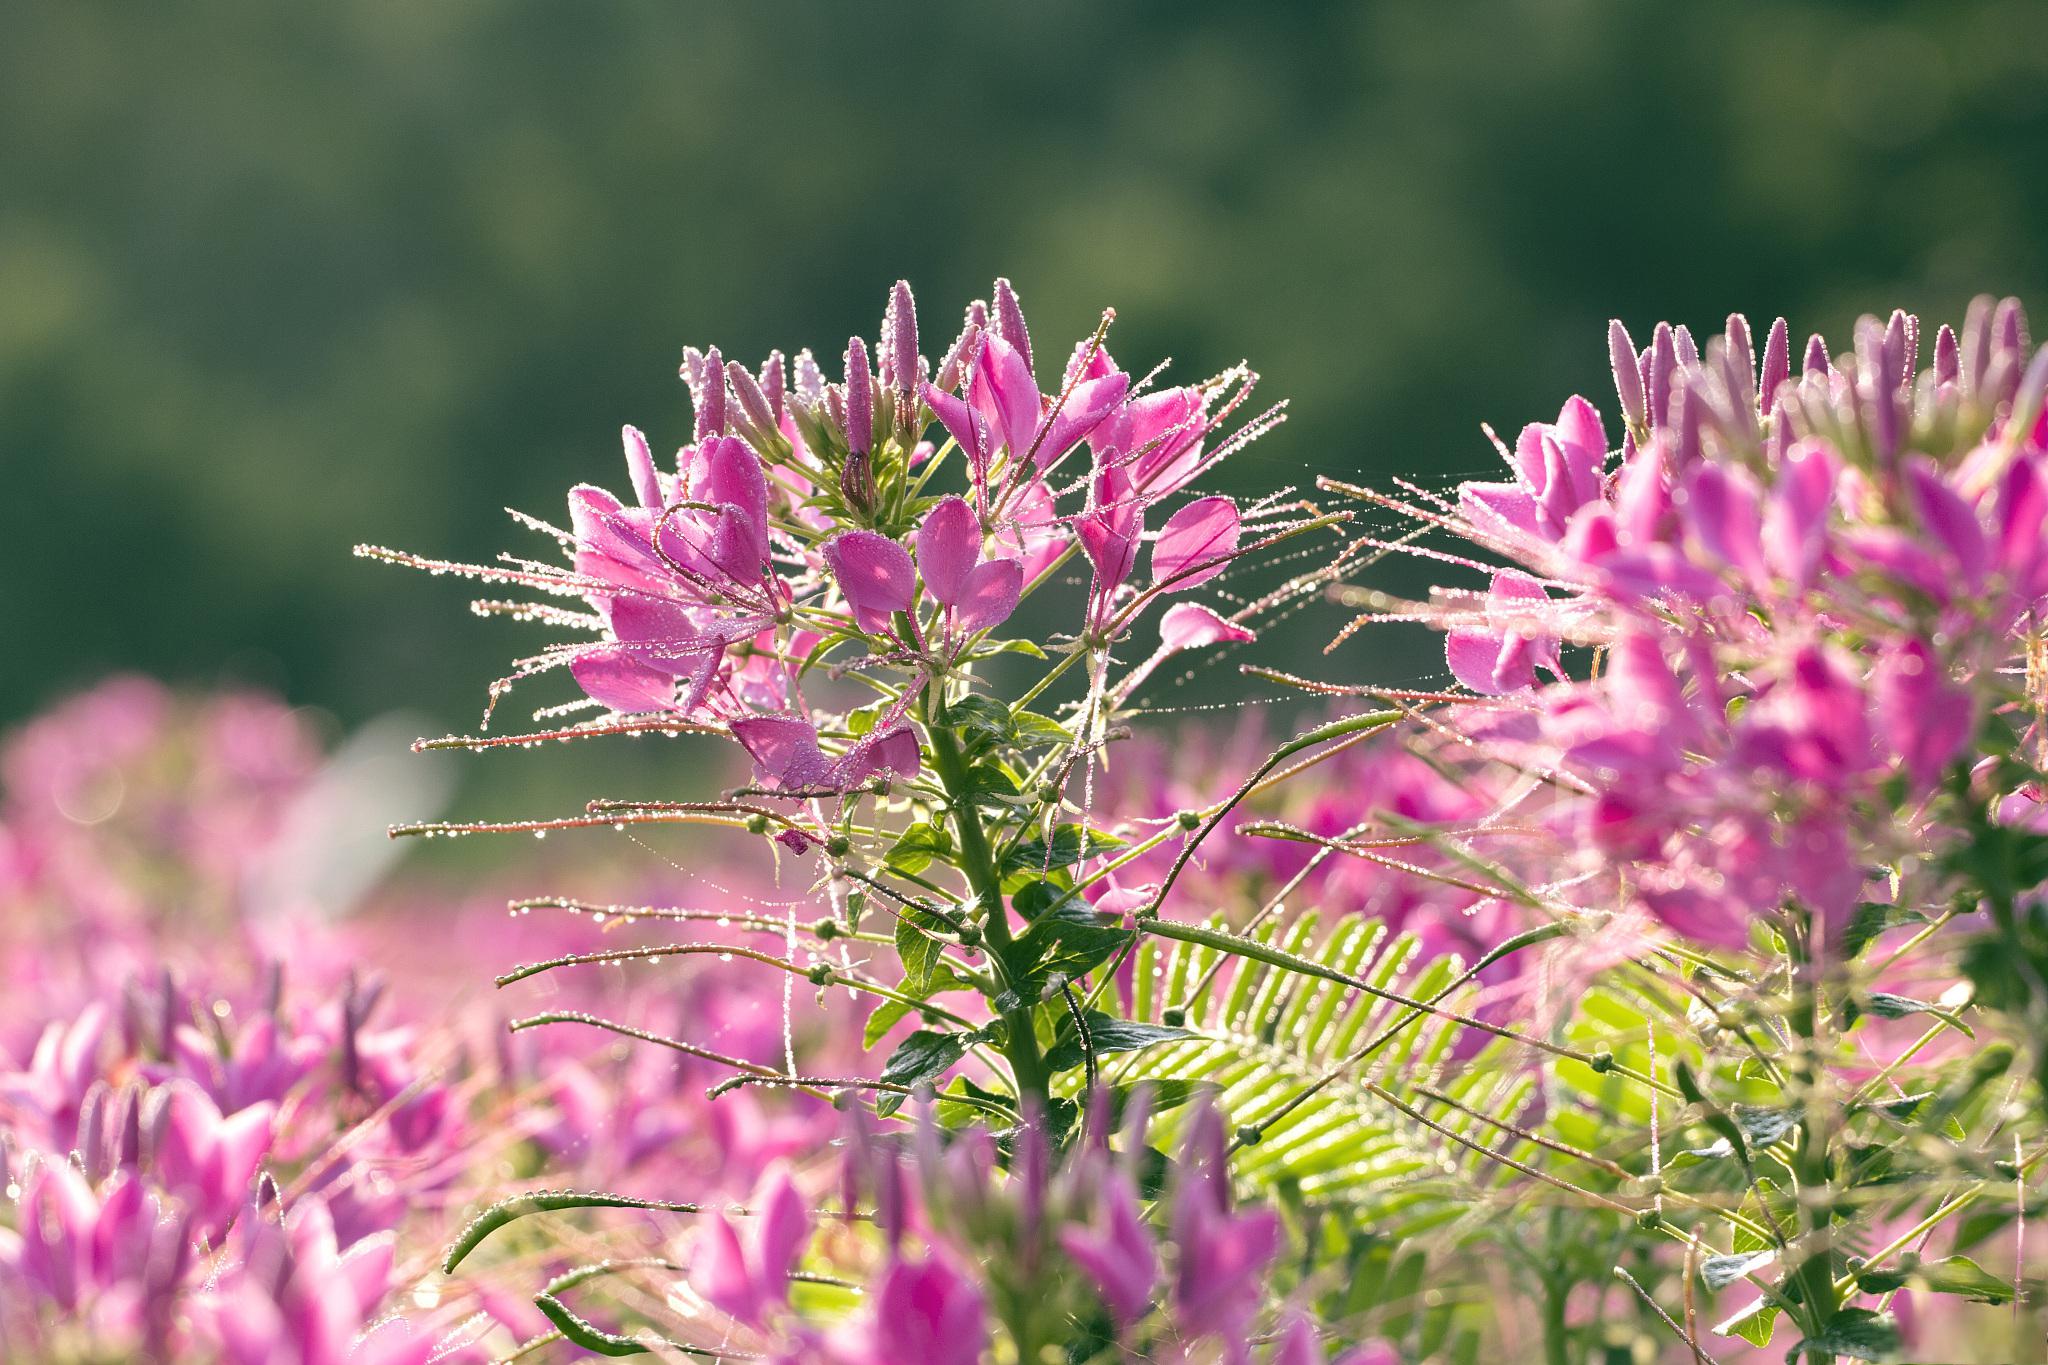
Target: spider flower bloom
{"points": [[1804, 592], [796, 529]]}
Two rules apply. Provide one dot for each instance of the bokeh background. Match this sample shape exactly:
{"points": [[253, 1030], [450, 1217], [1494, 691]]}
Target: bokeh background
{"points": [[276, 278]]}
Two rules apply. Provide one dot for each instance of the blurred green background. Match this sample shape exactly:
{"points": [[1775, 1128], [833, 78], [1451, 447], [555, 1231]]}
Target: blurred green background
{"points": [[278, 277]]}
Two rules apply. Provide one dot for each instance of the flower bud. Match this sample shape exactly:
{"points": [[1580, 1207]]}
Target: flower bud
{"points": [[860, 398], [1688, 349], [1777, 365], [953, 371], [1947, 356], [1663, 363], [899, 357], [756, 418], [1816, 359], [774, 382], [1010, 320], [1628, 375], [707, 395]]}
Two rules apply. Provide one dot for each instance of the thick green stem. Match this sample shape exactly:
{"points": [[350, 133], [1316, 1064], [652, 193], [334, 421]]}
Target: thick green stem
{"points": [[978, 862], [1815, 1274], [1556, 1333]]}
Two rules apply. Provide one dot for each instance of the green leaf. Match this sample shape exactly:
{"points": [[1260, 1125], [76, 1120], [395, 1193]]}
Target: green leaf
{"points": [[916, 848], [1106, 1034], [978, 714], [1753, 1324], [1032, 857], [1855, 1332], [1066, 942], [918, 949], [1951, 1275], [922, 1057], [990, 784], [1029, 730]]}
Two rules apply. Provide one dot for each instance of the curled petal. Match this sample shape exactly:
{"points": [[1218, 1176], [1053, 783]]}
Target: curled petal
{"points": [[640, 466], [1190, 625], [1005, 393]]}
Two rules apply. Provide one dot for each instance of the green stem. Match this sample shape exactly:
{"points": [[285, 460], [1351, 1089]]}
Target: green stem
{"points": [[977, 861], [1816, 1272]]}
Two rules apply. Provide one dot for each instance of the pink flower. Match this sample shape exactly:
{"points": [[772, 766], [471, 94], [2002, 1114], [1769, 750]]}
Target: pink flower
{"points": [[208, 1159], [1116, 1253], [747, 1276], [1219, 1277], [1505, 657], [978, 594], [929, 1311], [1195, 544], [875, 576], [786, 752]]}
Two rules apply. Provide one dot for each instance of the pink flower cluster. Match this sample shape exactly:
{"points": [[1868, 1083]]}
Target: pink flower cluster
{"points": [[206, 1157], [796, 521], [1800, 594], [963, 1252]]}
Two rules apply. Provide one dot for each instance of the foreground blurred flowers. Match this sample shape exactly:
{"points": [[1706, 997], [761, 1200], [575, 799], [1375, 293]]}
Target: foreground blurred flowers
{"points": [[211, 1151]]}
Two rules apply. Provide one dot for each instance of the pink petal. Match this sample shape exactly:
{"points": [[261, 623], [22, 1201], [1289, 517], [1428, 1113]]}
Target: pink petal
{"points": [[967, 425], [1006, 394], [617, 680], [1951, 521], [782, 1227], [640, 466], [784, 749], [1498, 509], [875, 575], [1190, 625], [1722, 514], [885, 751], [1085, 408], [990, 595], [948, 548], [1109, 533], [1195, 544], [732, 477], [719, 1272], [1162, 433]]}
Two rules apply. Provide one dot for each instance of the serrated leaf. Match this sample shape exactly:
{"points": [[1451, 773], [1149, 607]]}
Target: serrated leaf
{"points": [[917, 948], [1029, 730], [922, 1057], [1106, 1034], [917, 847], [1034, 857], [882, 1018], [1855, 1332], [1066, 942], [1963, 1276], [980, 714]]}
